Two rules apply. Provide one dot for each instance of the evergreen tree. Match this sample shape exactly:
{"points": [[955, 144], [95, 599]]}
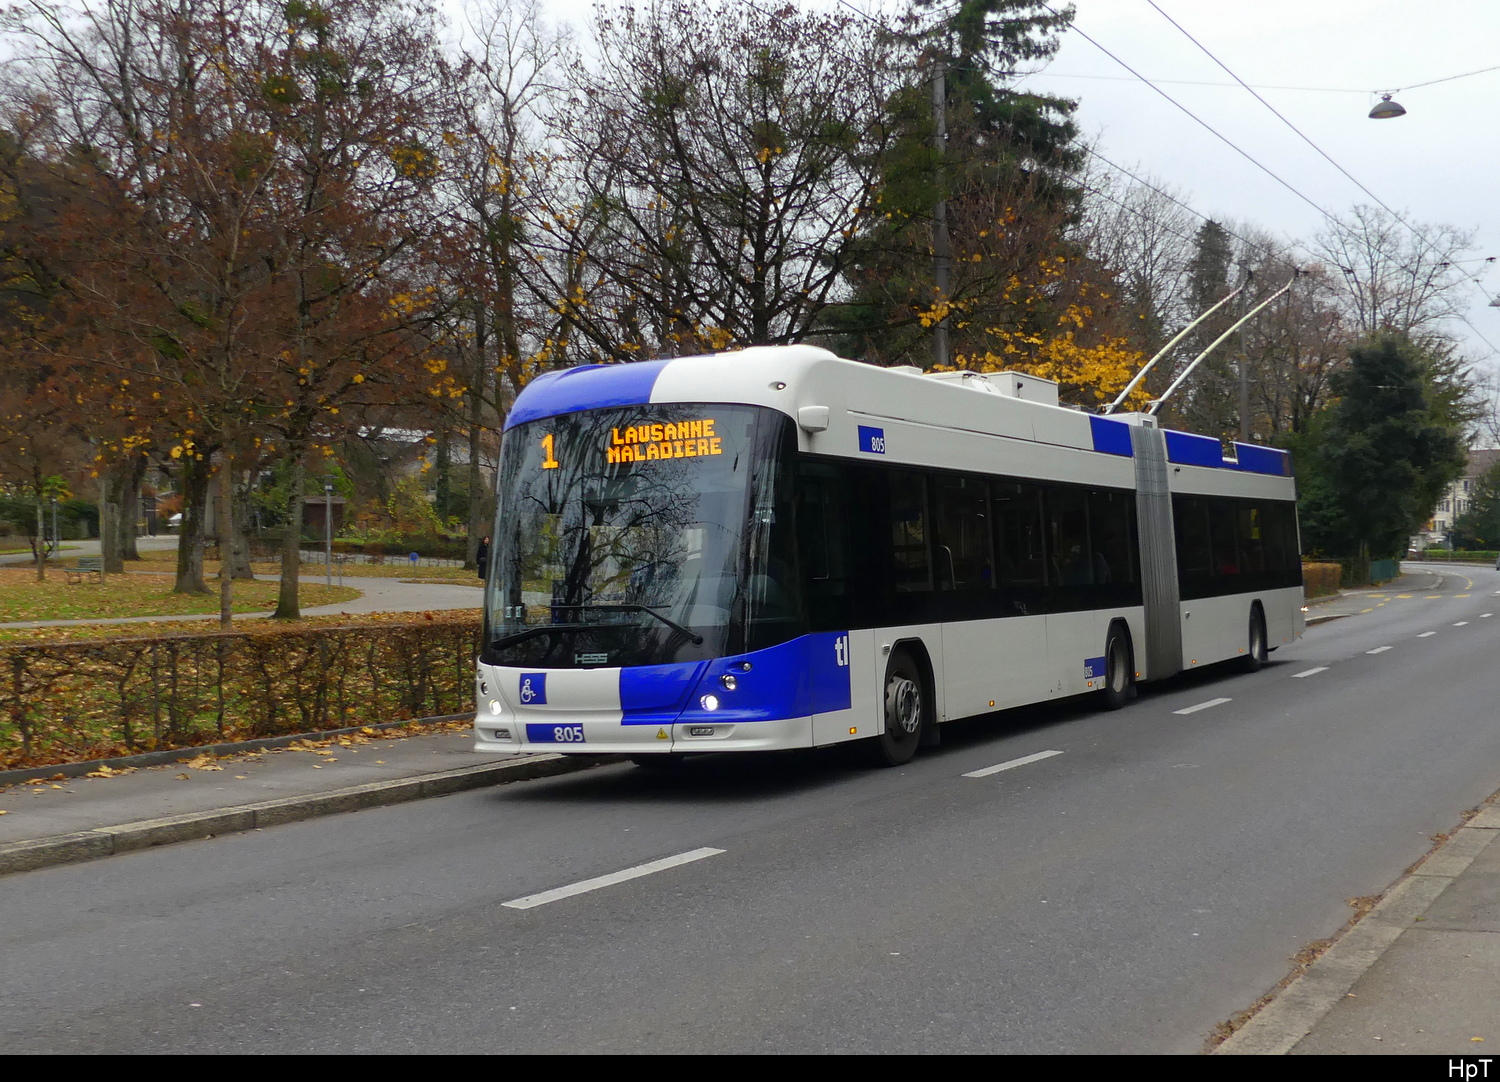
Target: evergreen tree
{"points": [[1005, 171], [1375, 463], [1208, 403], [1479, 526]]}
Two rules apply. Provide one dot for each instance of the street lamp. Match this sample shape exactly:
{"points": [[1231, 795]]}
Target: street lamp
{"points": [[1385, 109], [328, 526]]}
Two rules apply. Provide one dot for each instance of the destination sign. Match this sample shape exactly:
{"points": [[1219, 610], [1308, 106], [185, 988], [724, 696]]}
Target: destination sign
{"points": [[654, 442]]}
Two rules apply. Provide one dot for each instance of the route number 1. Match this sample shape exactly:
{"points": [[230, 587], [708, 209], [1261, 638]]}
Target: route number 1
{"points": [[549, 463]]}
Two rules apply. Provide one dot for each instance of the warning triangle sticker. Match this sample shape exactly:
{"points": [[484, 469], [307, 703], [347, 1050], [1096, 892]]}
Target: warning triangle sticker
{"points": [[661, 734]]}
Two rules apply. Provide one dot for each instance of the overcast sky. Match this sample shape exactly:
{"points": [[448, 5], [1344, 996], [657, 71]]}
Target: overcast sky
{"points": [[1437, 164]]}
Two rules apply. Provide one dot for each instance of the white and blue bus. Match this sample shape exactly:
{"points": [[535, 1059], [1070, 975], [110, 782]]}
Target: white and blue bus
{"points": [[777, 548]]}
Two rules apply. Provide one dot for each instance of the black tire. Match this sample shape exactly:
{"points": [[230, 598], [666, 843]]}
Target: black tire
{"points": [[1256, 650], [1119, 672], [904, 709]]}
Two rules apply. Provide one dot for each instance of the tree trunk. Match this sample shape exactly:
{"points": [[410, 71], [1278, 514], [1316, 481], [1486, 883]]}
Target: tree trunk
{"points": [[111, 511], [194, 481], [41, 543], [478, 381], [133, 474], [226, 540], [287, 604], [239, 553]]}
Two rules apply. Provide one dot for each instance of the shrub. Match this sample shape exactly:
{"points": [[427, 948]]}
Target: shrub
{"points": [[65, 702], [1319, 578]]}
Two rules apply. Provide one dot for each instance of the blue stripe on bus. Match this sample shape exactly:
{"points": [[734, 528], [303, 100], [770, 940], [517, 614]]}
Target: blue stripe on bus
{"points": [[656, 694], [1111, 437], [805, 676], [1255, 459], [591, 386], [1095, 667], [1186, 449]]}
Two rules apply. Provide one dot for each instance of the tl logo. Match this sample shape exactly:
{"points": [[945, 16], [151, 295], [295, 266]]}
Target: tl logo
{"points": [[841, 651], [533, 689]]}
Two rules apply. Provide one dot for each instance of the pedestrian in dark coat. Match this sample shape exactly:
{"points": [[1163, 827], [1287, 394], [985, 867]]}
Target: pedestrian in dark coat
{"points": [[482, 556]]}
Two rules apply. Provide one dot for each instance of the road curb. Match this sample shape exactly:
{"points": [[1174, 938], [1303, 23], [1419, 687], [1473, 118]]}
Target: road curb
{"points": [[181, 755], [26, 856], [1295, 1011]]}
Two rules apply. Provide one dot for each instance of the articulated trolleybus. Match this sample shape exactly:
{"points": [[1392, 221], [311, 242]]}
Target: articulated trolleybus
{"points": [[776, 548]]}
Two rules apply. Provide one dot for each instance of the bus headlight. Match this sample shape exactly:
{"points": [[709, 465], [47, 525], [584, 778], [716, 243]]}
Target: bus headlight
{"points": [[709, 702], [729, 682], [495, 707]]}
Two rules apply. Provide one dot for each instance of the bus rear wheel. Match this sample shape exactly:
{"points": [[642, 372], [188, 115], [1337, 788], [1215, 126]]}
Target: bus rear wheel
{"points": [[1119, 672], [904, 710], [1256, 652]]}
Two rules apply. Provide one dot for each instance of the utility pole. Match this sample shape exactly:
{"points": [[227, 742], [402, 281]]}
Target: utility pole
{"points": [[942, 251], [1244, 363]]}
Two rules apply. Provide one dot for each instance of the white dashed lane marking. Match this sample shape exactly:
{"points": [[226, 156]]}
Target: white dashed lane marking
{"points": [[1378, 650], [531, 901], [1200, 706], [1426, 634], [1309, 672], [1461, 623], [985, 772]]}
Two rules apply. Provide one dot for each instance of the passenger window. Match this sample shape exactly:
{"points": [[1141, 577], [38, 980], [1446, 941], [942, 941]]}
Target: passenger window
{"points": [[1016, 510], [1068, 537], [909, 535], [963, 534], [1194, 552], [1112, 531]]}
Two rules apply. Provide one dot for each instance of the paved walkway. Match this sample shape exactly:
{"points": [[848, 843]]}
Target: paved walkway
{"points": [[376, 594]]}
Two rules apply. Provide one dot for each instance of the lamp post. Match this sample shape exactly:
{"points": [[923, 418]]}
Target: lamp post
{"points": [[56, 537], [328, 527]]}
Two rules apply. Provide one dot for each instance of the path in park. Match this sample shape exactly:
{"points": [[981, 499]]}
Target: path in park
{"points": [[377, 594]]}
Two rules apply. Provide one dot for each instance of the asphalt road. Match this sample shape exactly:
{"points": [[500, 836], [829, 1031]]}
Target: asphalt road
{"points": [[1123, 896]]}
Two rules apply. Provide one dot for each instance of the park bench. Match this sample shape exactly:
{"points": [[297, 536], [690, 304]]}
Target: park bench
{"points": [[87, 565]]}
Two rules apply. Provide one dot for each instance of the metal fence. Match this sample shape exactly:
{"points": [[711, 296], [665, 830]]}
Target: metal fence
{"points": [[73, 701]]}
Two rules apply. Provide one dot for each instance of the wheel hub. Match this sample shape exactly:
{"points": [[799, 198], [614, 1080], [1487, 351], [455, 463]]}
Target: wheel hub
{"points": [[905, 705]]}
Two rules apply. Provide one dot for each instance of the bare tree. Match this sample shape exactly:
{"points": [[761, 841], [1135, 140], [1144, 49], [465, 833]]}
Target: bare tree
{"points": [[1392, 278]]}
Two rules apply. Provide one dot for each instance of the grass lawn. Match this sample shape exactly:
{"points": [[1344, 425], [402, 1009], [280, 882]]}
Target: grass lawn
{"points": [[23, 598], [168, 626], [395, 569]]}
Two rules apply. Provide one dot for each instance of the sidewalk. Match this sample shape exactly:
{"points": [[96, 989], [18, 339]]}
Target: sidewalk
{"points": [[1420, 973], [59, 820]]}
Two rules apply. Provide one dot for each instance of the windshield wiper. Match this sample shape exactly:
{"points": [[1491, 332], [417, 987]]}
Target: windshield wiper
{"points": [[693, 636], [545, 629]]}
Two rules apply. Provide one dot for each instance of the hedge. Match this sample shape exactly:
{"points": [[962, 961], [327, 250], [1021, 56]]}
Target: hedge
{"points": [[68, 702], [1319, 579]]}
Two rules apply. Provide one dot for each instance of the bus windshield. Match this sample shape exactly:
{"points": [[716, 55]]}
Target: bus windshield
{"points": [[633, 536]]}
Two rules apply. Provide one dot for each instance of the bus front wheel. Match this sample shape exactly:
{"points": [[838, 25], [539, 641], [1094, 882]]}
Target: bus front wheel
{"points": [[904, 712]]}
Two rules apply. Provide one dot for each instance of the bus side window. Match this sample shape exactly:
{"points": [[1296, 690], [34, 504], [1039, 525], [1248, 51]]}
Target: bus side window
{"points": [[1111, 529], [1017, 515], [963, 534], [1223, 516], [1194, 551], [1068, 536], [911, 561]]}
